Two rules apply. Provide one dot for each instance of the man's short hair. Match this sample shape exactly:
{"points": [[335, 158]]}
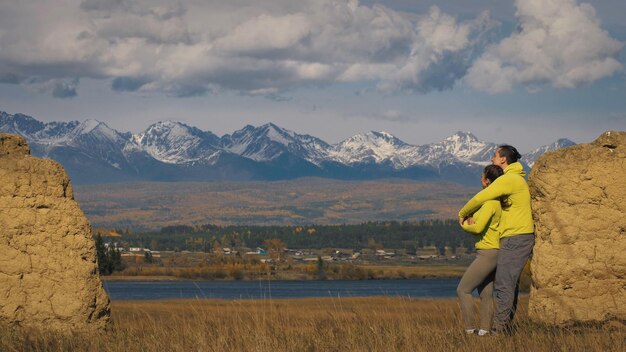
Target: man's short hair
{"points": [[510, 153]]}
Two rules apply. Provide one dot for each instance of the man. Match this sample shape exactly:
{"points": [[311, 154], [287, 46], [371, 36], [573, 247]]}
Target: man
{"points": [[517, 231]]}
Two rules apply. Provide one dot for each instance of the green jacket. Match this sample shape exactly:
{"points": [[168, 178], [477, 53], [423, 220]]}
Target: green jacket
{"points": [[487, 221], [516, 213]]}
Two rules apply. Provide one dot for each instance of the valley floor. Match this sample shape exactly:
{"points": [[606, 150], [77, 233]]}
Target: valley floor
{"points": [[153, 205]]}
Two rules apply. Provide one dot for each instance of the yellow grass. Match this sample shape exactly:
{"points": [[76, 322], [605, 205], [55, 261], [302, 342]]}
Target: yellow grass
{"points": [[320, 324]]}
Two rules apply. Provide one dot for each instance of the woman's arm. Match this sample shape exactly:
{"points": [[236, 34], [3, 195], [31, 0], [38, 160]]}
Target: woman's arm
{"points": [[500, 187], [481, 220]]}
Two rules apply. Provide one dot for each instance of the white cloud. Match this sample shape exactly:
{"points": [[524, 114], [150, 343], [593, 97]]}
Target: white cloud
{"points": [[191, 47], [266, 33], [440, 55], [559, 42]]}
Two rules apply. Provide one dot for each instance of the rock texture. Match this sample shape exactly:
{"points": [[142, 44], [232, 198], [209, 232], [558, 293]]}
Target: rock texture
{"points": [[48, 270], [579, 206]]}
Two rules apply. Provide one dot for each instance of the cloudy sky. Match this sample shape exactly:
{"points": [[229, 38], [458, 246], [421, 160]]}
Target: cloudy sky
{"points": [[525, 72]]}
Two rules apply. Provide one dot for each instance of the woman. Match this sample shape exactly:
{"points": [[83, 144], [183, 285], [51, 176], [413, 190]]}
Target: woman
{"points": [[480, 274]]}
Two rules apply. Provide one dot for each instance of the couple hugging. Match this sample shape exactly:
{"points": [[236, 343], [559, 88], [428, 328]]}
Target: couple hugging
{"points": [[500, 217]]}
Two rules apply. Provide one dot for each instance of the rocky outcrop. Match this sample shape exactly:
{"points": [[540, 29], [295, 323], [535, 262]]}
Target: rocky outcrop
{"points": [[579, 206], [48, 270]]}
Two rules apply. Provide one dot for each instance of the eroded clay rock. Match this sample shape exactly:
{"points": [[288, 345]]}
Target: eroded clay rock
{"points": [[12, 144], [579, 206], [48, 271]]}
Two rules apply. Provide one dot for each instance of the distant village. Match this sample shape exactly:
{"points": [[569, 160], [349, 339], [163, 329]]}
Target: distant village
{"points": [[263, 255]]}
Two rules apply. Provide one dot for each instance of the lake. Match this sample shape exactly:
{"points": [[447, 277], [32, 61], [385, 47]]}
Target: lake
{"points": [[150, 290]]}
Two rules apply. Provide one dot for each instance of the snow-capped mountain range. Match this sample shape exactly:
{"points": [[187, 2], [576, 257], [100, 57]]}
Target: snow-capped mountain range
{"points": [[92, 152]]}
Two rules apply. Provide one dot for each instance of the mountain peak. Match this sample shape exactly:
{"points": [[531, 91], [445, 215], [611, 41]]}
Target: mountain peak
{"points": [[268, 141], [278, 134], [174, 130], [372, 146], [531, 157], [167, 125], [381, 134], [174, 142], [465, 146], [462, 135], [20, 124], [271, 125], [88, 126], [17, 116], [565, 142], [90, 130]]}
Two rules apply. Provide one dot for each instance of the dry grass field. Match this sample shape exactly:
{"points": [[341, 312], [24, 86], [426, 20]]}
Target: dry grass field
{"points": [[346, 324], [153, 205]]}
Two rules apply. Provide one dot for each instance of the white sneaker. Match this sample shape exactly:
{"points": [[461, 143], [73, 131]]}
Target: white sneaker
{"points": [[483, 332], [470, 331]]}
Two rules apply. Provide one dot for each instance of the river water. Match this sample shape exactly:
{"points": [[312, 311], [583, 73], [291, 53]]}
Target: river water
{"points": [[151, 290]]}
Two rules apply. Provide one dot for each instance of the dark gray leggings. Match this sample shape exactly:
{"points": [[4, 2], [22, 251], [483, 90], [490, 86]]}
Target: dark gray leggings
{"points": [[479, 275]]}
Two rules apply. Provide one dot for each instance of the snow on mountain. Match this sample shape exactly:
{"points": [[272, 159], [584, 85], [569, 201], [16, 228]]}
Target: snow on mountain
{"points": [[381, 147], [372, 147], [171, 147], [95, 139], [531, 157], [56, 133], [19, 124], [96, 130], [466, 147], [267, 142], [461, 147], [175, 143]]}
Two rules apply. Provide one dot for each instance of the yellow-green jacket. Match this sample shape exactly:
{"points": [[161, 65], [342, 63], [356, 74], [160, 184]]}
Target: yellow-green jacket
{"points": [[516, 213], [486, 224]]}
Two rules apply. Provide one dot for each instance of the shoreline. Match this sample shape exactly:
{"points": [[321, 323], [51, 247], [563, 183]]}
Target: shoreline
{"points": [[290, 273], [182, 279], [307, 300]]}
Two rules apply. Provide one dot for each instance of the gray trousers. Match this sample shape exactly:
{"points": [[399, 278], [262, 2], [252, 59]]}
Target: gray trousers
{"points": [[512, 256], [479, 275]]}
